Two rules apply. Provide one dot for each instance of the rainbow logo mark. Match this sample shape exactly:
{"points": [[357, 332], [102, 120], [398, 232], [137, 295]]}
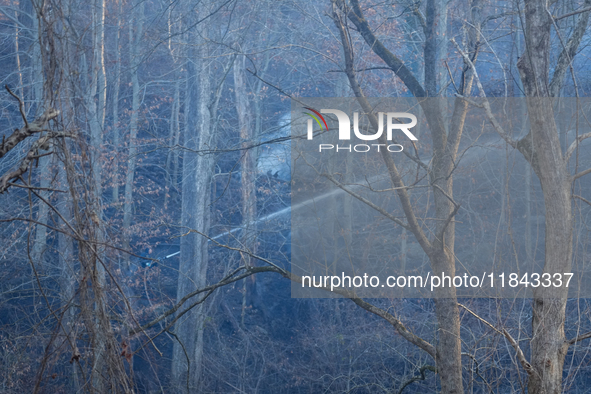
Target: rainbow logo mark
{"points": [[315, 118]]}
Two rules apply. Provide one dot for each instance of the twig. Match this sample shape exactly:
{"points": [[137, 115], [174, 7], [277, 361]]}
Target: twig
{"points": [[363, 69], [230, 278], [498, 16], [186, 355], [582, 199], [479, 318], [519, 353], [422, 371], [21, 105], [556, 18], [233, 277], [451, 77], [37, 188], [367, 202], [485, 104]]}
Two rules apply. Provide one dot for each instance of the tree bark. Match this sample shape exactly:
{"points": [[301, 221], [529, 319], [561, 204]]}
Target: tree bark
{"points": [[135, 38], [115, 106], [247, 175], [39, 244], [197, 170], [541, 147]]}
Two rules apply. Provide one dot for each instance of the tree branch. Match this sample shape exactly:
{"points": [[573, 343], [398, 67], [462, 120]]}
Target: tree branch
{"points": [[233, 277], [579, 338], [519, 353], [485, 104], [228, 279], [32, 155], [569, 50], [367, 202], [21, 105], [498, 16], [21, 134], [413, 224], [582, 199], [586, 9], [582, 173], [363, 69], [395, 64], [422, 371], [480, 318], [397, 324], [571, 149]]}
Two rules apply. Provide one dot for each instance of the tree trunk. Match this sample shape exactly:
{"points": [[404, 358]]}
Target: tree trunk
{"points": [[542, 149], [548, 344], [247, 176], [173, 138], [44, 167], [115, 106], [135, 38], [68, 275], [197, 171], [96, 116], [172, 158]]}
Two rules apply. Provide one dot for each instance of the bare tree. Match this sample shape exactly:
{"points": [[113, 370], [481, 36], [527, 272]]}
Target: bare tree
{"points": [[440, 246], [542, 149], [199, 136]]}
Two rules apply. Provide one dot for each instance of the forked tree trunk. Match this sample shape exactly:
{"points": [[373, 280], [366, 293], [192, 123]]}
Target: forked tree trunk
{"points": [[543, 150], [440, 247]]}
